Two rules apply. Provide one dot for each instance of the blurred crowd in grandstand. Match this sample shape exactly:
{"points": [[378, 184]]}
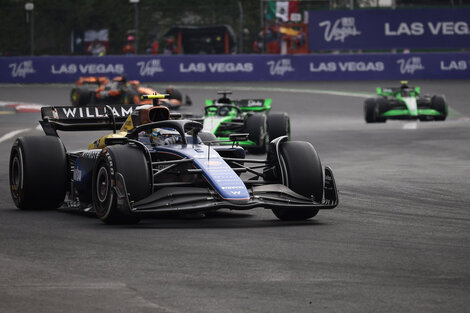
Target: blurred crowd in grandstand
{"points": [[103, 27]]}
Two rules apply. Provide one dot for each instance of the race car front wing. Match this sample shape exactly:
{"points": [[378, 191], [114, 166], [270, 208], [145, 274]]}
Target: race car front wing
{"points": [[198, 199]]}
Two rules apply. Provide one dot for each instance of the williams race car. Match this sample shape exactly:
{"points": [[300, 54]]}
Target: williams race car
{"points": [[100, 90], [404, 103], [225, 116], [157, 164]]}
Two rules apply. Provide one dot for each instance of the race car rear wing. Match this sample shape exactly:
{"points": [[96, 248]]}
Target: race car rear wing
{"points": [[245, 104], [67, 118]]}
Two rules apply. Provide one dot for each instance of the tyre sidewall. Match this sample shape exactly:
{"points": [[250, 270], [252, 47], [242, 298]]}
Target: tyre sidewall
{"points": [[130, 163], [256, 126], [42, 180], [369, 110], [278, 125], [103, 207], [303, 174], [438, 103]]}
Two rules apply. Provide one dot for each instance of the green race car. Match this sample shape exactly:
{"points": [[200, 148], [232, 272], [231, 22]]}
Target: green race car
{"points": [[404, 103], [224, 117]]}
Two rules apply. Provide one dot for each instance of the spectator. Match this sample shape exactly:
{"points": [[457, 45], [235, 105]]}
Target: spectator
{"points": [[96, 48], [129, 48], [155, 47], [170, 47]]}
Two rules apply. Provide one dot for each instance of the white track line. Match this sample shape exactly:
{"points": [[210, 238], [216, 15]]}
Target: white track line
{"points": [[280, 89], [13, 134], [410, 125]]}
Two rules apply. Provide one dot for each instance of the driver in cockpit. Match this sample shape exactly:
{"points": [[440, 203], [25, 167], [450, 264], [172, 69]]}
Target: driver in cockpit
{"points": [[164, 136]]}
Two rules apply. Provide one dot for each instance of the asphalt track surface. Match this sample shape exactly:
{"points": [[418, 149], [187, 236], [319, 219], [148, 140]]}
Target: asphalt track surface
{"points": [[398, 242]]}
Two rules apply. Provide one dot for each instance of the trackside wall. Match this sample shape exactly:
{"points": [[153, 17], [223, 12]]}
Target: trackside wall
{"points": [[210, 68]]}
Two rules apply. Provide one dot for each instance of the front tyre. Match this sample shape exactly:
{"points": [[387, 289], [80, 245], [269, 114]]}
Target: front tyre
{"points": [[303, 174], [131, 163], [256, 126], [439, 104], [373, 107], [278, 125], [38, 172]]}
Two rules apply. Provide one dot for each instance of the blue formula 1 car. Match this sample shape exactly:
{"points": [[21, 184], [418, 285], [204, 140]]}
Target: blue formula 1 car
{"points": [[156, 163]]}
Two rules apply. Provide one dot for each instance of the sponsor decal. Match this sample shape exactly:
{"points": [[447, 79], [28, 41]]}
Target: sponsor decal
{"points": [[232, 187], [150, 67], [280, 67], [91, 154], [85, 69], [410, 65], [454, 65], [93, 112], [347, 66], [216, 67], [22, 69], [433, 28], [340, 29], [212, 162], [255, 103]]}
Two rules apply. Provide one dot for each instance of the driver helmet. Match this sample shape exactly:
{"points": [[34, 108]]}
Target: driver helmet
{"points": [[121, 78]]}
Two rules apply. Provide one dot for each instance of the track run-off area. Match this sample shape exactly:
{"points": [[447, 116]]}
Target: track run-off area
{"points": [[398, 242]]}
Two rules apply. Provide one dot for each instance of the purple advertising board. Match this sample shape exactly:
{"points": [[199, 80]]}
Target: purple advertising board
{"points": [[364, 66], [389, 29]]}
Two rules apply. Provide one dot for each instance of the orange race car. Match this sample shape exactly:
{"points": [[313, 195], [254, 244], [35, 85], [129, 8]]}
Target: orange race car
{"points": [[95, 90]]}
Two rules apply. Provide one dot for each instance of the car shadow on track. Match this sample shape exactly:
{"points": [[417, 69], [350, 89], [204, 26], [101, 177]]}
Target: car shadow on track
{"points": [[219, 219], [213, 220]]}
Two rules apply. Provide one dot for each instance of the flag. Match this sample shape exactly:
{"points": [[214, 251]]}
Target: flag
{"points": [[271, 10], [293, 7], [282, 10]]}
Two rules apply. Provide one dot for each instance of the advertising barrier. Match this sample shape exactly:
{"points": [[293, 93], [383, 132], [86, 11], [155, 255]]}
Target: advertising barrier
{"points": [[389, 29], [238, 67]]}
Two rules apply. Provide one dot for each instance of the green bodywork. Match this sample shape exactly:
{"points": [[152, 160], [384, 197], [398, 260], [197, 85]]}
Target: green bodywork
{"points": [[265, 107], [408, 98], [213, 121]]}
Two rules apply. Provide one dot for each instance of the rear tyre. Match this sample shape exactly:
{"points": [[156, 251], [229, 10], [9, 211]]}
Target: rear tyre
{"points": [[256, 126], [278, 125], [38, 172], [304, 176], [174, 94], [131, 97], [439, 104], [80, 96], [131, 163]]}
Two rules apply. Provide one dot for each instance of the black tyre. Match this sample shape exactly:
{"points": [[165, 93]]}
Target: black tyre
{"points": [[174, 94], [38, 172], [80, 96], [278, 125], [207, 137], [256, 126], [438, 103], [131, 96], [131, 163], [304, 176], [373, 107]]}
